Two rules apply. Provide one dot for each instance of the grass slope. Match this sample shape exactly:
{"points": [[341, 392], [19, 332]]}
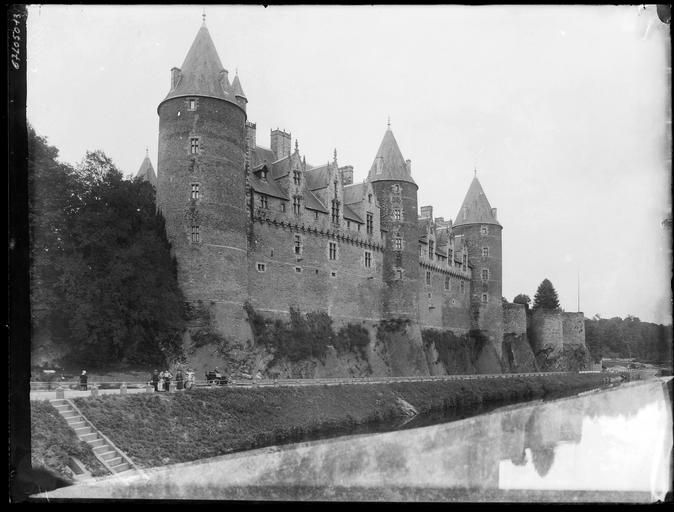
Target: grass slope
{"points": [[155, 429]]}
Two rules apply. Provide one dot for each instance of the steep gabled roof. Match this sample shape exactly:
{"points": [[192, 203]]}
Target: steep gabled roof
{"points": [[475, 208], [146, 171], [354, 193], [236, 87], [351, 215], [389, 163], [268, 187], [318, 177], [261, 155], [313, 203], [200, 74]]}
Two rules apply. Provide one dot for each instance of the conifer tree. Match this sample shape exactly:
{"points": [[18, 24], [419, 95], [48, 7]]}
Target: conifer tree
{"points": [[546, 296]]}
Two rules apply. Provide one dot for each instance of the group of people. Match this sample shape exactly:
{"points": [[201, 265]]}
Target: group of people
{"points": [[215, 377], [183, 381]]}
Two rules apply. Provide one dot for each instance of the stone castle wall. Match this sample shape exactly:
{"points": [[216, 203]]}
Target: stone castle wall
{"points": [[514, 319], [545, 330], [573, 328]]}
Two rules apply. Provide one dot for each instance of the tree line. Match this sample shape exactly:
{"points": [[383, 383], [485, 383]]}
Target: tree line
{"points": [[613, 337], [103, 282]]}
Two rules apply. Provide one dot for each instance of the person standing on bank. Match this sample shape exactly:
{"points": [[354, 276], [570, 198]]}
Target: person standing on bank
{"points": [[167, 380], [155, 380], [83, 380], [179, 379]]}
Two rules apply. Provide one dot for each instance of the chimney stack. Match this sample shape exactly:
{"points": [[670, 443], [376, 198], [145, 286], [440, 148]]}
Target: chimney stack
{"points": [[175, 77], [280, 143], [426, 212], [408, 166]]}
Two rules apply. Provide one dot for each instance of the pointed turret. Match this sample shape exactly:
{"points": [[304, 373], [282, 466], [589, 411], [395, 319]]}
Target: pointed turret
{"points": [[389, 163], [237, 89], [146, 171], [476, 208], [202, 73]]}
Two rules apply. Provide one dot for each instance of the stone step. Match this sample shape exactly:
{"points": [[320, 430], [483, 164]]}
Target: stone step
{"points": [[70, 414], [88, 437], [107, 455], [116, 461], [83, 430], [73, 419], [57, 401], [77, 424], [98, 449], [96, 442], [120, 467], [62, 407]]}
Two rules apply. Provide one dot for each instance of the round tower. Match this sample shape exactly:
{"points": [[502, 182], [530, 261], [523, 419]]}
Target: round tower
{"points": [[396, 193], [201, 183], [477, 223]]}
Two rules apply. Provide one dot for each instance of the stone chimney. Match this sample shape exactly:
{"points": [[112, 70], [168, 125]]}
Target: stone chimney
{"points": [[175, 77], [426, 212], [251, 141], [280, 143], [408, 166], [346, 174]]}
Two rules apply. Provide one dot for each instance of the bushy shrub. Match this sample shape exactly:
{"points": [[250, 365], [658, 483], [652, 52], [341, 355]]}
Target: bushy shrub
{"points": [[353, 338]]}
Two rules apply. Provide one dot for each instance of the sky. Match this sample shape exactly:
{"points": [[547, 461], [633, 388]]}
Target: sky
{"points": [[561, 110]]}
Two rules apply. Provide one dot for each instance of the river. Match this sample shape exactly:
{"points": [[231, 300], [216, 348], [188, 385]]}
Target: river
{"points": [[598, 446]]}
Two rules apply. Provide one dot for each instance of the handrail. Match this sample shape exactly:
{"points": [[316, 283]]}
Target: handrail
{"points": [[107, 440]]}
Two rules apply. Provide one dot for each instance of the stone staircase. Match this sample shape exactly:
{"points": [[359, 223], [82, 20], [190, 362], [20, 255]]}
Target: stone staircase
{"points": [[110, 456]]}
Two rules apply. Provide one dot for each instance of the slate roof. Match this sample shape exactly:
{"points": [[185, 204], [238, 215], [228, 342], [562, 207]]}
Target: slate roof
{"points": [[236, 87], [393, 166], [351, 215], [201, 71], [354, 193], [317, 178], [311, 202], [268, 187], [146, 171], [261, 155], [476, 206]]}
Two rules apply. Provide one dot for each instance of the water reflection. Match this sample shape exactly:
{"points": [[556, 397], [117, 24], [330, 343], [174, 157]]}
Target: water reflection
{"points": [[616, 440]]}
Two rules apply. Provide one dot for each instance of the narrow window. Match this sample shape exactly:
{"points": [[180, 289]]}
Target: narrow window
{"points": [[369, 198], [465, 262], [261, 267], [263, 175], [450, 256], [485, 274], [369, 223], [283, 206], [316, 215], [398, 244], [368, 259], [396, 214], [192, 104], [296, 204], [399, 273], [463, 287], [332, 247], [484, 230], [485, 252], [296, 177], [333, 274], [195, 233], [335, 211], [263, 201], [428, 278], [431, 247], [194, 145], [485, 298], [298, 270], [298, 244], [348, 224], [195, 191], [358, 227], [446, 282]]}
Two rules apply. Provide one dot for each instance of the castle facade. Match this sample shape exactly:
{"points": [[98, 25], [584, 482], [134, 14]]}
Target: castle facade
{"points": [[257, 224]]}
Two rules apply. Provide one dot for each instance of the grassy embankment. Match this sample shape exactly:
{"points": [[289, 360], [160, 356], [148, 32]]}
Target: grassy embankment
{"points": [[53, 442], [155, 429]]}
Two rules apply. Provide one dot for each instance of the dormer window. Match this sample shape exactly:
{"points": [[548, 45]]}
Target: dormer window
{"points": [[195, 191], [335, 211], [431, 247], [263, 175], [369, 198], [192, 104], [297, 177], [263, 201], [296, 204]]}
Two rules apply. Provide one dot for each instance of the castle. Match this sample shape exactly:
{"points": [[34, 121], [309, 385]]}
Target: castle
{"points": [[259, 225]]}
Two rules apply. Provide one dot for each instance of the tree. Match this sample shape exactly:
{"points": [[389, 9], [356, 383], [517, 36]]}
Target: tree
{"points": [[546, 296], [522, 299]]}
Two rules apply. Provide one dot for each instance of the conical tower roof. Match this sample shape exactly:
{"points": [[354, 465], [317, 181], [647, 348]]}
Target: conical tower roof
{"points": [[202, 72], [389, 163], [146, 171], [236, 87], [476, 208]]}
